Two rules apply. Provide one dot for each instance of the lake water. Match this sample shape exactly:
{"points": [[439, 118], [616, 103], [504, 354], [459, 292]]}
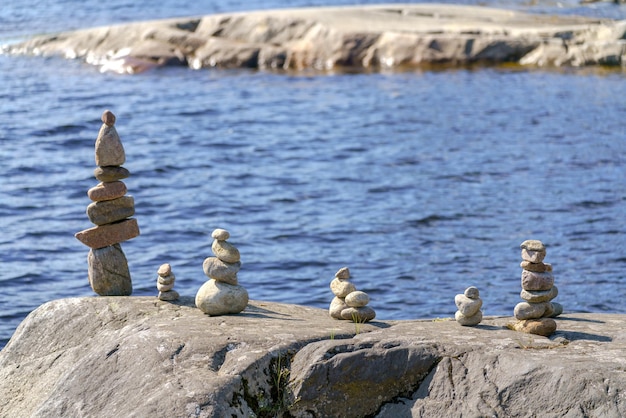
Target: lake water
{"points": [[421, 182]]}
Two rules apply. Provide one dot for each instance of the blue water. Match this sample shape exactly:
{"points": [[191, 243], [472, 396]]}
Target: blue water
{"points": [[422, 182]]}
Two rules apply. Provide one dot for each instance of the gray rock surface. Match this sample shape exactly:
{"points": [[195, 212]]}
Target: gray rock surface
{"points": [[139, 356], [377, 36]]}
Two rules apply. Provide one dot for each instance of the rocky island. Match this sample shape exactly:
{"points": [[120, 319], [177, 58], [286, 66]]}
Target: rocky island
{"points": [[141, 356], [355, 37]]}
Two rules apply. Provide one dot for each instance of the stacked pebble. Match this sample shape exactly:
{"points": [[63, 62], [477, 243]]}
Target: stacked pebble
{"points": [[468, 305], [349, 303], [535, 313], [165, 283], [222, 294], [110, 212]]}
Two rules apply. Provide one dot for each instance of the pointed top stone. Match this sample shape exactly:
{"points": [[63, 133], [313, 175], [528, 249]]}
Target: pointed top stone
{"points": [[109, 148], [108, 118], [343, 273]]}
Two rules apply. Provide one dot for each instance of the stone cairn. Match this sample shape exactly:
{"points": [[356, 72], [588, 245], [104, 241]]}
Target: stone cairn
{"points": [[468, 305], [165, 283], [535, 314], [222, 294], [110, 212], [349, 303]]}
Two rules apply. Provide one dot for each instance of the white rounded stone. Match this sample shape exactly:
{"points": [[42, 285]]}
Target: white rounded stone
{"points": [[360, 315], [336, 306], [217, 298], [467, 306], [357, 299], [468, 321], [341, 288]]}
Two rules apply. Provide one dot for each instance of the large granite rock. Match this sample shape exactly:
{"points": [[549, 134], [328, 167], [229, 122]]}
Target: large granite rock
{"points": [[380, 36], [139, 356]]}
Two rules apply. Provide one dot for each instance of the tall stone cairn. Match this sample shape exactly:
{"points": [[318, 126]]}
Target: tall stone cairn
{"points": [[535, 314], [111, 212]]}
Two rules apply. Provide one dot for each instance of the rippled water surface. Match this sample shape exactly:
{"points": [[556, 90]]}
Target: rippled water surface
{"points": [[422, 182]]}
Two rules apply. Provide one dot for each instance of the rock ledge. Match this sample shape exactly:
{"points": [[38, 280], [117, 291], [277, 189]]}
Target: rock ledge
{"points": [[139, 356], [356, 37]]}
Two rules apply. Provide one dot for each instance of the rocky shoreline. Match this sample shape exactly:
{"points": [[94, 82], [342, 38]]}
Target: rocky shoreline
{"points": [[357, 38], [141, 356]]}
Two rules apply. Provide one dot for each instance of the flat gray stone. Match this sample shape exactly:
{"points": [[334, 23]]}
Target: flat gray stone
{"points": [[535, 296], [109, 211], [109, 174], [538, 267], [166, 280]]}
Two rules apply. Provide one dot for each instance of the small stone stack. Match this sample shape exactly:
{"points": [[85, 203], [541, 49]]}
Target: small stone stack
{"points": [[165, 283], [110, 212], [349, 303], [468, 305], [538, 290], [222, 294]]}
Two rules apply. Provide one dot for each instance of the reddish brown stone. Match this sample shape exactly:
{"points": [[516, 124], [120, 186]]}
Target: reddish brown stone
{"points": [[543, 326], [107, 191], [105, 235]]}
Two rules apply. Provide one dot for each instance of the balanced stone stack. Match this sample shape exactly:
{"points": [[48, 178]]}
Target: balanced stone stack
{"points": [[111, 212], [349, 303], [222, 294], [165, 283], [468, 305], [535, 314]]}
